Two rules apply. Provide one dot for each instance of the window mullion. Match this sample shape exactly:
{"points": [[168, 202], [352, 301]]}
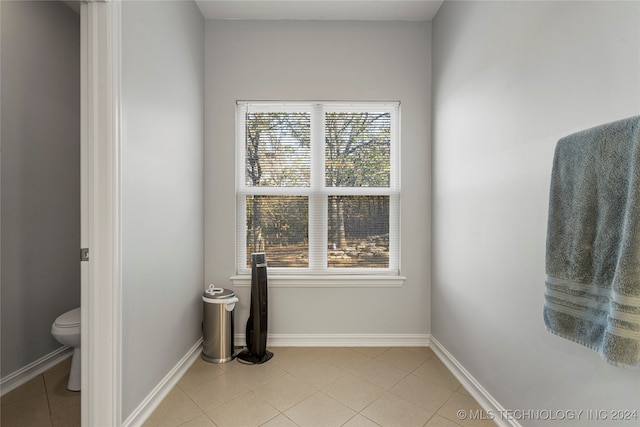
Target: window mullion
{"points": [[241, 197], [394, 199], [317, 197], [394, 232], [394, 159], [241, 232], [241, 146]]}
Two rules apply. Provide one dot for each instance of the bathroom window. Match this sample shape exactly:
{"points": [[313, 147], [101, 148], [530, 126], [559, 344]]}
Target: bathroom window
{"points": [[317, 187]]}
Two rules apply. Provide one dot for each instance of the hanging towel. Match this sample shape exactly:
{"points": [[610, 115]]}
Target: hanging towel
{"points": [[593, 241]]}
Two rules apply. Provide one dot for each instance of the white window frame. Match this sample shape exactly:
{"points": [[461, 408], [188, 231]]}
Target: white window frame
{"points": [[317, 273]]}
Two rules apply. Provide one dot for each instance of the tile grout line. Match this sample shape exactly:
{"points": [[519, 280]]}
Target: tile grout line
{"points": [[46, 392], [322, 390], [202, 412], [401, 397]]}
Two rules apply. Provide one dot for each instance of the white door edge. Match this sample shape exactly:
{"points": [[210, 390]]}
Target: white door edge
{"points": [[101, 398]]}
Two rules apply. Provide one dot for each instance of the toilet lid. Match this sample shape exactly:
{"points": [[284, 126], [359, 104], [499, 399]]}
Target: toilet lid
{"points": [[69, 319]]}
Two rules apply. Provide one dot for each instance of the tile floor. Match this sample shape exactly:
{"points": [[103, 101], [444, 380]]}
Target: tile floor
{"points": [[322, 387], [43, 402]]}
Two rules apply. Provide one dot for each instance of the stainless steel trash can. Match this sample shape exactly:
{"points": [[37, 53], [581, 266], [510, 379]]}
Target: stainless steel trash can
{"points": [[217, 324]]}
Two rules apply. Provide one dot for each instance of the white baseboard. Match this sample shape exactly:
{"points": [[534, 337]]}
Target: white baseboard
{"points": [[33, 369], [342, 340], [153, 400], [475, 389]]}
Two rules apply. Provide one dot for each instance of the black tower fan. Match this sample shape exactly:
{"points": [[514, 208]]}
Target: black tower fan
{"points": [[256, 351]]}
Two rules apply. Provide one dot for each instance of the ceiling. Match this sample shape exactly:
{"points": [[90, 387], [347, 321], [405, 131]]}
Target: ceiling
{"points": [[359, 10]]}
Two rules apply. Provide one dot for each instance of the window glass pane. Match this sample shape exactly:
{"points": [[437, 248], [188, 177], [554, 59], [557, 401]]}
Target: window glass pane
{"points": [[357, 149], [277, 149], [278, 225], [358, 228]]}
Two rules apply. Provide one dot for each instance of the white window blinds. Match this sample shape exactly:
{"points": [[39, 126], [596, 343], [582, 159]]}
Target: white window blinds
{"points": [[318, 186]]}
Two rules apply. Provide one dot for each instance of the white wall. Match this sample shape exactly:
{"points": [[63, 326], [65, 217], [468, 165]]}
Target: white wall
{"points": [[286, 60], [162, 190], [40, 176], [510, 79]]}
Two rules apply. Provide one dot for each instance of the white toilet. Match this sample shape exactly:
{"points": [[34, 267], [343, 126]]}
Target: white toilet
{"points": [[66, 329]]}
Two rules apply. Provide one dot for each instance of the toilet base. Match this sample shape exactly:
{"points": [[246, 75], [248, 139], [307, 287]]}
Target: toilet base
{"points": [[74, 372]]}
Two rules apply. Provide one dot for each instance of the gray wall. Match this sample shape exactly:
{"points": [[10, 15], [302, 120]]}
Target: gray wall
{"points": [[510, 79], [40, 175], [287, 60], [162, 190]]}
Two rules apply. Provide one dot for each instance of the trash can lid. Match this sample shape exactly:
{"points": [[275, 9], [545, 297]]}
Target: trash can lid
{"points": [[217, 293]]}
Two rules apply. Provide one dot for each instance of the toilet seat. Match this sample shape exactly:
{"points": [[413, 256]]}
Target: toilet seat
{"points": [[70, 319]]}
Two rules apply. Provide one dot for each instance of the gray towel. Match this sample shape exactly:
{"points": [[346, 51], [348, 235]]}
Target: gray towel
{"points": [[593, 241]]}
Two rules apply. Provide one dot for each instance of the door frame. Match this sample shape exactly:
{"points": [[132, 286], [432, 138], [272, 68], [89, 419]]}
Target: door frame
{"points": [[101, 277]]}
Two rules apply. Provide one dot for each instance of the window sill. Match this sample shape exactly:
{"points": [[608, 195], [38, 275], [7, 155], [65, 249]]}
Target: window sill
{"points": [[325, 281]]}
